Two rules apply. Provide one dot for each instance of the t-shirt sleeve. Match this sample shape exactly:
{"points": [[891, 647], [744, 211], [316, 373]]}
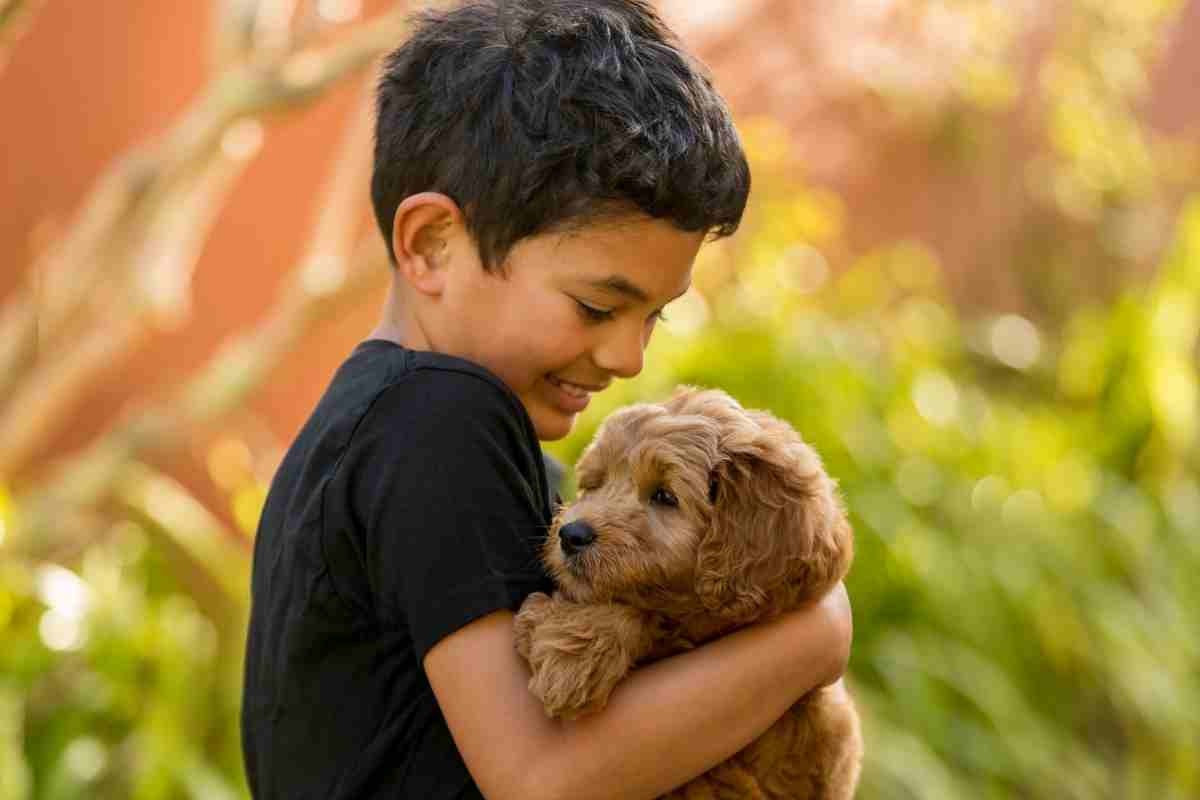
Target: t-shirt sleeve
{"points": [[439, 474]]}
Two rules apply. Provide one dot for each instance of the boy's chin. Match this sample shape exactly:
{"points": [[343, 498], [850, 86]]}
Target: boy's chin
{"points": [[551, 425]]}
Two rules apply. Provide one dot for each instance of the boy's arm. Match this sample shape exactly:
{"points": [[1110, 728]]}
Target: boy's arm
{"points": [[664, 725]]}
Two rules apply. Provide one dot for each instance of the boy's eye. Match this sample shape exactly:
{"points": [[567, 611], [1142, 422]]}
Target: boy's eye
{"points": [[591, 313]]}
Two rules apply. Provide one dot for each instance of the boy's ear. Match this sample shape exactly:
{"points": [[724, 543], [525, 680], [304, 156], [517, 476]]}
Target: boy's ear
{"points": [[421, 230]]}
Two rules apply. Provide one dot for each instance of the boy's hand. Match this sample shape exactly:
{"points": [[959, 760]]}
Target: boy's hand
{"points": [[835, 609]]}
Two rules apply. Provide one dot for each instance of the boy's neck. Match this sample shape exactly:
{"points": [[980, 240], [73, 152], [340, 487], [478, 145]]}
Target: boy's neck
{"points": [[395, 325]]}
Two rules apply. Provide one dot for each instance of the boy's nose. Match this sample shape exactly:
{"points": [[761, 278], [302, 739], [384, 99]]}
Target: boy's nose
{"points": [[621, 354]]}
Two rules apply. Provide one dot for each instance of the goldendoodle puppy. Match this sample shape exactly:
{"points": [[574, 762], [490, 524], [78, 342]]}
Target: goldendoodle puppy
{"points": [[695, 517]]}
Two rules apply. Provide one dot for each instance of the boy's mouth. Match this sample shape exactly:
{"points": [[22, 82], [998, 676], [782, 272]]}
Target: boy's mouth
{"points": [[573, 389], [571, 397]]}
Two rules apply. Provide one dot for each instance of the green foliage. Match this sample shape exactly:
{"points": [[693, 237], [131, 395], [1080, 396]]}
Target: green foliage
{"points": [[113, 681]]}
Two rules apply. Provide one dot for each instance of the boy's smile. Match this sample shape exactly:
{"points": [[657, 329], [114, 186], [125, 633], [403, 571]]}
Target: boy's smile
{"points": [[575, 396], [573, 310]]}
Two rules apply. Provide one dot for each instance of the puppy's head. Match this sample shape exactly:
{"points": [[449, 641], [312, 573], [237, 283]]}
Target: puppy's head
{"points": [[697, 504]]}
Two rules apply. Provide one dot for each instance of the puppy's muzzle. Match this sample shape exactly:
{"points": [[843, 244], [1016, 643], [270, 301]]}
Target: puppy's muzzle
{"points": [[575, 536]]}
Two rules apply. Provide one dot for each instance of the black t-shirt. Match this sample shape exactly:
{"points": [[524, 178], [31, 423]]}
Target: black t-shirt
{"points": [[414, 501]]}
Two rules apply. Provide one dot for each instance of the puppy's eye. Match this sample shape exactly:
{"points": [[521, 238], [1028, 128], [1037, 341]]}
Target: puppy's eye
{"points": [[663, 497]]}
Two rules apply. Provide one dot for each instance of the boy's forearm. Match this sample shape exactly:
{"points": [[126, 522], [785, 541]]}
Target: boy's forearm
{"points": [[673, 720], [663, 725]]}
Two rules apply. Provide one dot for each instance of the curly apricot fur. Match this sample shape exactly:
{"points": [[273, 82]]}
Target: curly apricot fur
{"points": [[707, 517]]}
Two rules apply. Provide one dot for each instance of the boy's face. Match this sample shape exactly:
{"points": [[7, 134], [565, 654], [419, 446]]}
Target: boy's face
{"points": [[575, 311]]}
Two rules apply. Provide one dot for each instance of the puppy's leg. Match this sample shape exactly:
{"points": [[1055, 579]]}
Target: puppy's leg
{"points": [[579, 652], [532, 612], [726, 781], [813, 752]]}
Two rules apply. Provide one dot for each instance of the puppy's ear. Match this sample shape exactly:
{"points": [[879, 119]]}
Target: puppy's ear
{"points": [[779, 535]]}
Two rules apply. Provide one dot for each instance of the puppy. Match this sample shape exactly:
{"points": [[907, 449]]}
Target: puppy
{"points": [[695, 517]]}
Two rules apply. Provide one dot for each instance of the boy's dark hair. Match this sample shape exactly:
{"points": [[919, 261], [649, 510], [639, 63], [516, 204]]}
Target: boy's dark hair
{"points": [[541, 115]]}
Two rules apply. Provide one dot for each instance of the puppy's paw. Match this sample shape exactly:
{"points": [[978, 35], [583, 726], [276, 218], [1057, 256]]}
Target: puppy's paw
{"points": [[532, 612], [573, 678], [579, 653]]}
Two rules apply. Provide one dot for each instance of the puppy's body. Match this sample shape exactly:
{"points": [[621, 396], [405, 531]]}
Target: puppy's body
{"points": [[695, 517]]}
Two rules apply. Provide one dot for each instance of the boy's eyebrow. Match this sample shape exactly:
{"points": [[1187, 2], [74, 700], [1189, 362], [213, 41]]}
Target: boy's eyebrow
{"points": [[622, 285]]}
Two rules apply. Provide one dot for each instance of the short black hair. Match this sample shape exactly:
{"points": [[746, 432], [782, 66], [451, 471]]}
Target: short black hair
{"points": [[542, 115]]}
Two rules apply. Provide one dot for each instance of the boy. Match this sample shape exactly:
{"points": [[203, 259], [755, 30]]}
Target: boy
{"points": [[545, 172]]}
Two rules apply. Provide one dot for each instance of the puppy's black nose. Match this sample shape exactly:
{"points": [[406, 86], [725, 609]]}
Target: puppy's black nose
{"points": [[574, 536]]}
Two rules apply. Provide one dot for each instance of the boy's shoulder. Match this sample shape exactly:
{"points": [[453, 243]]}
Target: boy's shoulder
{"points": [[431, 385], [388, 397], [392, 411], [390, 363]]}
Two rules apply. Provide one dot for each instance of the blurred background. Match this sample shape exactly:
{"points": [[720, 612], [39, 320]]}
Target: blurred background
{"points": [[970, 275]]}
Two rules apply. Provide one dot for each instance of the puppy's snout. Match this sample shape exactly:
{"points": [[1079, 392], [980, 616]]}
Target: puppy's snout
{"points": [[575, 536]]}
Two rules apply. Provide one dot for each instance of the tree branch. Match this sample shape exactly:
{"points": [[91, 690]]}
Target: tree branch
{"points": [[14, 21], [175, 514], [130, 232], [327, 277]]}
